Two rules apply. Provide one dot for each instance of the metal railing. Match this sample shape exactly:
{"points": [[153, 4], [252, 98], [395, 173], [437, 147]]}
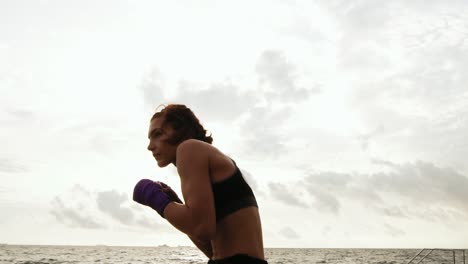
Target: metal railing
{"points": [[430, 250]]}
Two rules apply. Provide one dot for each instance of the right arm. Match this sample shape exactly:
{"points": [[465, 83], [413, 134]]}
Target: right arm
{"points": [[197, 217], [203, 245]]}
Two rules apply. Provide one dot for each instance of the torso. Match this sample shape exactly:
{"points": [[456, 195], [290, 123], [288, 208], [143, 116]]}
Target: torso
{"points": [[239, 232]]}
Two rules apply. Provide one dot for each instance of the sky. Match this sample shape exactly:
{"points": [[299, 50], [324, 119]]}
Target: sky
{"points": [[349, 119]]}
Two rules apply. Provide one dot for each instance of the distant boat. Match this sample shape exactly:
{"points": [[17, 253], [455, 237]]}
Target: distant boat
{"points": [[163, 245]]}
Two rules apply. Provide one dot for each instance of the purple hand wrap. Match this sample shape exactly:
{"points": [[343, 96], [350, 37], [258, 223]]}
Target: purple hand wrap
{"points": [[150, 193]]}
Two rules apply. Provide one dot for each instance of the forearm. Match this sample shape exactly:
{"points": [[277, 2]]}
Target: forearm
{"points": [[182, 217], [204, 246]]}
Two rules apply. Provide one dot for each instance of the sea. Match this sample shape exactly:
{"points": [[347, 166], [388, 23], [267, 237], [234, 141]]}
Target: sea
{"points": [[30, 254]]}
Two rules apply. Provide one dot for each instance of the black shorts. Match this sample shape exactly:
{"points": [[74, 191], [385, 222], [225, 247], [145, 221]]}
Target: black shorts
{"points": [[238, 259]]}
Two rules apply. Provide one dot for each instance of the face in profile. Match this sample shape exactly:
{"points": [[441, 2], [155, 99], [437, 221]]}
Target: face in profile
{"points": [[163, 152]]}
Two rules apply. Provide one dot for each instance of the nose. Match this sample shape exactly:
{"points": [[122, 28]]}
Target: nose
{"points": [[150, 146]]}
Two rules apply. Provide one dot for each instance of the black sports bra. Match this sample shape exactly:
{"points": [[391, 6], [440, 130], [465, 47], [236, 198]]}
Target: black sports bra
{"points": [[232, 194]]}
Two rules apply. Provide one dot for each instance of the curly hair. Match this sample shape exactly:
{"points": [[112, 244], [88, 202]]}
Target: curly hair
{"points": [[184, 122]]}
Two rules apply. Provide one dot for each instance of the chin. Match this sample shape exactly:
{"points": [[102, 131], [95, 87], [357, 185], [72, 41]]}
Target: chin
{"points": [[162, 164]]}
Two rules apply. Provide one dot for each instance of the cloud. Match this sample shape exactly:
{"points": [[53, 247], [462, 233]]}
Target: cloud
{"points": [[76, 209], [420, 104], [107, 143], [151, 224], [81, 208], [361, 57], [394, 211], [362, 16], [265, 133], [102, 135], [432, 81], [325, 187], [3, 191], [329, 179], [260, 110], [363, 45], [409, 190], [9, 166], [289, 233], [21, 114], [110, 202], [426, 184], [73, 217], [326, 202], [279, 92], [282, 193], [415, 51], [365, 139], [223, 102], [426, 189], [277, 78], [153, 86], [393, 231], [252, 182], [326, 230], [375, 19]]}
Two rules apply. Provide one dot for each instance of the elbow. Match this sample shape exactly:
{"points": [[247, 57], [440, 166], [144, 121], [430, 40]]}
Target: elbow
{"points": [[204, 226], [205, 232]]}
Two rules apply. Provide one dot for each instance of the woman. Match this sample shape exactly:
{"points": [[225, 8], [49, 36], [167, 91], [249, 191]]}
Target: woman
{"points": [[220, 214]]}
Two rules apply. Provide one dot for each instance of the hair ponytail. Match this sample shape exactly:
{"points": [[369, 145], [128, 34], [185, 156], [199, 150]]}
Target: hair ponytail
{"points": [[184, 122]]}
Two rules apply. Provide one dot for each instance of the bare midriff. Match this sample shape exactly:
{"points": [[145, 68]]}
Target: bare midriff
{"points": [[239, 233]]}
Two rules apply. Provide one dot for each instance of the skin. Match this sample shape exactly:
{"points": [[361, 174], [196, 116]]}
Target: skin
{"points": [[200, 164]]}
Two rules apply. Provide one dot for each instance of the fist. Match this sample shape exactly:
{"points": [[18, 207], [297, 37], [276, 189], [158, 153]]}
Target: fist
{"points": [[169, 192], [150, 193]]}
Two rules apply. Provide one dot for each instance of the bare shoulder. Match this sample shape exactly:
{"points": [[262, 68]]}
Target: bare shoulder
{"points": [[192, 146], [197, 155], [194, 152]]}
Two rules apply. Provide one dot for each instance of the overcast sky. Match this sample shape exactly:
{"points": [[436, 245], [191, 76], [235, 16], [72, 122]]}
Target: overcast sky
{"points": [[348, 118]]}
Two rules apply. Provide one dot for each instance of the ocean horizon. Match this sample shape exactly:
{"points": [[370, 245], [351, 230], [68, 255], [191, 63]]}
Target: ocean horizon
{"points": [[54, 254]]}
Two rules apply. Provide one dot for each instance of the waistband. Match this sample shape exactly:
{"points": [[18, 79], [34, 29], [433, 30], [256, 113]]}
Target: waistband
{"points": [[238, 259]]}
